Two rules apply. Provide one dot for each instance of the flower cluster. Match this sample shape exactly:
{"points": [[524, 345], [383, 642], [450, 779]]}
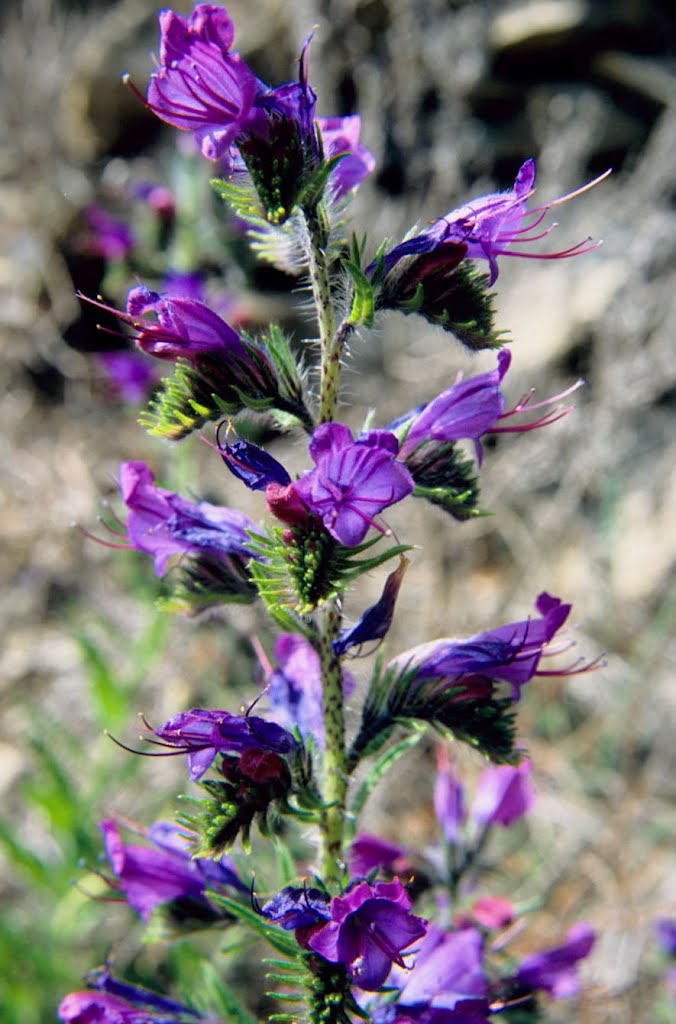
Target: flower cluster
{"points": [[365, 928]]}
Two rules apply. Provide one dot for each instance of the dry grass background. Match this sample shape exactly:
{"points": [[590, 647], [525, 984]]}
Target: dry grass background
{"points": [[453, 96]]}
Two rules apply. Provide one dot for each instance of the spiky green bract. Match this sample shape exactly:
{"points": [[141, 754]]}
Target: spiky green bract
{"points": [[445, 477], [204, 581], [399, 697], [302, 567], [266, 380], [319, 991], [445, 289], [256, 787]]}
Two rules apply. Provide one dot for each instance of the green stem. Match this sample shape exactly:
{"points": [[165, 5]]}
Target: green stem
{"points": [[332, 339], [335, 760]]}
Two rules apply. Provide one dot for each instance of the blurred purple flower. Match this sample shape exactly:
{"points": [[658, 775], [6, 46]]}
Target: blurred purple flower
{"points": [[449, 799], [110, 237], [490, 225], [666, 935], [353, 480], [341, 135], [295, 689], [203, 734], [504, 795], [556, 970], [151, 875], [129, 373], [369, 853], [371, 925], [163, 524], [447, 982], [116, 1002]]}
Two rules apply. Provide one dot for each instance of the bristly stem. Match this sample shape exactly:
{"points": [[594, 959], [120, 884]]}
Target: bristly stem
{"points": [[331, 338], [335, 760]]}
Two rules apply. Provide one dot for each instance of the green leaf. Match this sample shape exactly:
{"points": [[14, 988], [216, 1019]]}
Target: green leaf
{"points": [[283, 942], [376, 772], [361, 313]]}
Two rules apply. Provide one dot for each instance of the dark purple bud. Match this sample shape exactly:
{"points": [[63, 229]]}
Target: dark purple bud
{"points": [[376, 620], [296, 907], [252, 464]]}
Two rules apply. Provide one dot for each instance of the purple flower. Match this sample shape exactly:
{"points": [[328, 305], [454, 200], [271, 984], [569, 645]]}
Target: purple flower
{"points": [[376, 620], [447, 982], [295, 687], [510, 653], [163, 524], [556, 970], [489, 226], [371, 925], [504, 795], [201, 85], [341, 135], [129, 373], [116, 1002], [449, 798], [184, 327], [166, 872], [468, 409], [353, 480], [203, 734]]}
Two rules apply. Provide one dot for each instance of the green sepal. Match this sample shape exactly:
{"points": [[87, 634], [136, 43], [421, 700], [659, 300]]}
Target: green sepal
{"points": [[445, 476], [313, 190], [278, 244], [361, 313], [182, 404], [398, 697], [205, 581], [445, 289]]}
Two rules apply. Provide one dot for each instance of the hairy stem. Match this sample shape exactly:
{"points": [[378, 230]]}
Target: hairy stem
{"points": [[331, 340], [335, 757], [335, 760]]}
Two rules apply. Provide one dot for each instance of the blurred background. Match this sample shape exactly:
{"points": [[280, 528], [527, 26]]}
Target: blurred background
{"points": [[454, 96]]}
